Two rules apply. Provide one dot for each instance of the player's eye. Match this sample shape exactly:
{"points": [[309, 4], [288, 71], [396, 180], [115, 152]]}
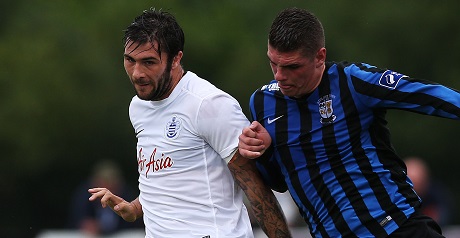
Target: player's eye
{"points": [[129, 59], [293, 66], [149, 62]]}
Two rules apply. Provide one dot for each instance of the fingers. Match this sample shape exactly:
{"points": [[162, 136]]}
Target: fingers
{"points": [[101, 193], [107, 197], [96, 193], [250, 145], [121, 208], [249, 132], [255, 126], [126, 211], [253, 131], [248, 140], [250, 154], [117, 204]]}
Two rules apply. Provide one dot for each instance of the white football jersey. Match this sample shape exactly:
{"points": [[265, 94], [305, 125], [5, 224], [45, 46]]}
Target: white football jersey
{"points": [[186, 189]]}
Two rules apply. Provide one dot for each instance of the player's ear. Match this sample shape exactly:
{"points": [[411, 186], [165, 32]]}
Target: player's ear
{"points": [[177, 59], [320, 57]]}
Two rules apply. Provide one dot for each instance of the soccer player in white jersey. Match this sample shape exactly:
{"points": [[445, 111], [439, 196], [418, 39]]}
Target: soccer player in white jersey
{"points": [[190, 171]]}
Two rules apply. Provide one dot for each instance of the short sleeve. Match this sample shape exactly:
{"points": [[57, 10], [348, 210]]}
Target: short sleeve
{"points": [[220, 121]]}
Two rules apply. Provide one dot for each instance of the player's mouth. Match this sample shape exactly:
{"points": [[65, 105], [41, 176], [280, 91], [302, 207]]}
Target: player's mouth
{"points": [[284, 87], [142, 84], [142, 87]]}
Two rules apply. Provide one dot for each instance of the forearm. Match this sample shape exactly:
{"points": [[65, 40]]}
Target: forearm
{"points": [[137, 208], [263, 202]]}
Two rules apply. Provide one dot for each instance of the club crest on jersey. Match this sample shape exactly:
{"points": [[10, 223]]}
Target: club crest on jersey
{"points": [[325, 109], [271, 87], [173, 127], [390, 79]]}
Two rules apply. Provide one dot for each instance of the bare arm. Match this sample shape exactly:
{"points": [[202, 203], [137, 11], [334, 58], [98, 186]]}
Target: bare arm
{"points": [[264, 204], [129, 211], [137, 208]]}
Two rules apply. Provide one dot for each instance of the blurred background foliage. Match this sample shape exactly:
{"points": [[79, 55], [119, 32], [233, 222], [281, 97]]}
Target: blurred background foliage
{"points": [[64, 94]]}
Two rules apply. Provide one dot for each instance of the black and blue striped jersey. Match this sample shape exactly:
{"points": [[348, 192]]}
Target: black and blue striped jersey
{"points": [[332, 148]]}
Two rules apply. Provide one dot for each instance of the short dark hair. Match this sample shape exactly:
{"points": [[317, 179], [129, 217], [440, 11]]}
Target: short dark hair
{"points": [[156, 25], [295, 29]]}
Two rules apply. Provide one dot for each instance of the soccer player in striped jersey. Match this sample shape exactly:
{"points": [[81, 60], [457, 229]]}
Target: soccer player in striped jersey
{"points": [[319, 131]]}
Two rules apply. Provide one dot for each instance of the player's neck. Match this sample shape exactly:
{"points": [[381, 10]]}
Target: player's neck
{"points": [[176, 75]]}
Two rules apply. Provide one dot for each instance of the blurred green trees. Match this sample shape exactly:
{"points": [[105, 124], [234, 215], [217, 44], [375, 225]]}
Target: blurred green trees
{"points": [[64, 94]]}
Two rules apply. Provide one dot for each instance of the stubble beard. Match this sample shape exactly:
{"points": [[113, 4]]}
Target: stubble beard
{"points": [[164, 87]]}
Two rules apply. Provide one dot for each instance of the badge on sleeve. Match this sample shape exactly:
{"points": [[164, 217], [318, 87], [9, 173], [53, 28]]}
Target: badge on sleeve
{"points": [[390, 79]]}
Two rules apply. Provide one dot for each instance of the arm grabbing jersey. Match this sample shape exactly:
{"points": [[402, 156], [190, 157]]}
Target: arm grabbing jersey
{"points": [[186, 189]]}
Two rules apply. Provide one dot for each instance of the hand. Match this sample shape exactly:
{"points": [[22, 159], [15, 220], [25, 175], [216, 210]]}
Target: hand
{"points": [[254, 140], [126, 210]]}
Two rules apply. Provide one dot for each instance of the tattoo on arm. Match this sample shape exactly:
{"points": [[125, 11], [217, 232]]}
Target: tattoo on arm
{"points": [[264, 204]]}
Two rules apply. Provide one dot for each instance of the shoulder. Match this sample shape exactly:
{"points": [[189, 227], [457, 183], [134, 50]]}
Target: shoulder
{"points": [[199, 87], [352, 67], [271, 87], [356, 72], [269, 90]]}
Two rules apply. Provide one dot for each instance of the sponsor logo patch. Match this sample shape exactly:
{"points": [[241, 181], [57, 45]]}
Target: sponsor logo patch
{"points": [[271, 87], [390, 79], [270, 121], [154, 164]]}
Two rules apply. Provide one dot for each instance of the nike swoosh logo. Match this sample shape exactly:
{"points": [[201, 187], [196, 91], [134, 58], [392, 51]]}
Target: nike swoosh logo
{"points": [[270, 121], [137, 133]]}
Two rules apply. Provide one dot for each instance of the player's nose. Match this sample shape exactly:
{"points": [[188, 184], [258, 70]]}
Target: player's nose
{"points": [[138, 72], [279, 74]]}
